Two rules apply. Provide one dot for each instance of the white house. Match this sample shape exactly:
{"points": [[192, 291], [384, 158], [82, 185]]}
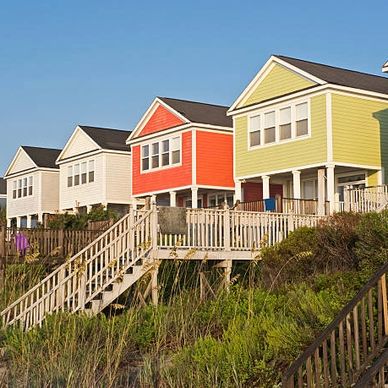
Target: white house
{"points": [[95, 169], [3, 193], [32, 186]]}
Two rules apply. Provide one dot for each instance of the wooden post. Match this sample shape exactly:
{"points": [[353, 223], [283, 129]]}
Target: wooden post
{"points": [[154, 286], [202, 294], [2, 255], [154, 228], [385, 306], [61, 242], [227, 229], [228, 272]]}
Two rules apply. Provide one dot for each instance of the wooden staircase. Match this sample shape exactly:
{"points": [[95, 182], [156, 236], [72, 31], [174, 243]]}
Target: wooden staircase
{"points": [[351, 351], [95, 276]]}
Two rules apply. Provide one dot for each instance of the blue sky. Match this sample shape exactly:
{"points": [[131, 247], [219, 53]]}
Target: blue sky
{"points": [[101, 63]]}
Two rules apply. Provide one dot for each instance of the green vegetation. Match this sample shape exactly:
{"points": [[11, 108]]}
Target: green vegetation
{"points": [[242, 338], [80, 221]]}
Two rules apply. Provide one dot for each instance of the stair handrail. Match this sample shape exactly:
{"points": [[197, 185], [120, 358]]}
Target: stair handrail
{"points": [[311, 354], [54, 275]]}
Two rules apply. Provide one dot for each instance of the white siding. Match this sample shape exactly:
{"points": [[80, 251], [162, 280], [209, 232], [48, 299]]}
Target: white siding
{"points": [[24, 206], [118, 178], [50, 191], [86, 194], [22, 162], [78, 145]]}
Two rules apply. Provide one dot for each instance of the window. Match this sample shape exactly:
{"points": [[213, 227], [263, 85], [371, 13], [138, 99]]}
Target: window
{"points": [[161, 154], [254, 131], [145, 158], [25, 190], [175, 150], [155, 155], [285, 123], [19, 188], [165, 153], [91, 171], [14, 190], [76, 175], [30, 184], [84, 175], [301, 119], [269, 127], [70, 176]]}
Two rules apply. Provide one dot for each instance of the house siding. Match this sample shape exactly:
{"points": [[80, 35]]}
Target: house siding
{"points": [[279, 81], [360, 131], [50, 191], [161, 119], [79, 144], [118, 178], [284, 156], [214, 159], [28, 205], [163, 179], [86, 194], [22, 163]]}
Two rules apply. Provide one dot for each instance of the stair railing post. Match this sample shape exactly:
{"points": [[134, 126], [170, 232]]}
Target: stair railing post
{"points": [[385, 306], [227, 229], [2, 254]]}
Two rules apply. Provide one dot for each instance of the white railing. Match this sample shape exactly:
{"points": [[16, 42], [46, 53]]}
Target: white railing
{"points": [[71, 286], [216, 229], [368, 199]]}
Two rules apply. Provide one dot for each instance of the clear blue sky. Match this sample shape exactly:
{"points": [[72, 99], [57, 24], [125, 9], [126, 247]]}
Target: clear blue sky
{"points": [[102, 62]]}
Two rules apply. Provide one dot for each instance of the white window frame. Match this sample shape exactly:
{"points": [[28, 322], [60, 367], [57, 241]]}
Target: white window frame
{"points": [[225, 194], [23, 184], [80, 163], [170, 150], [277, 108]]}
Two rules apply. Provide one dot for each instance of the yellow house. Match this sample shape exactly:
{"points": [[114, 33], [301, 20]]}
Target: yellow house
{"points": [[313, 128]]}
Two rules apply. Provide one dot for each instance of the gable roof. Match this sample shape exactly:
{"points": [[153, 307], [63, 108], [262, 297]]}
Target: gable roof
{"points": [[3, 186], [200, 112], [108, 138], [385, 67], [340, 76], [42, 157]]}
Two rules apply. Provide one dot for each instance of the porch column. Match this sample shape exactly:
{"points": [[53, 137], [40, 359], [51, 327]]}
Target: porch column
{"points": [[153, 199], [237, 191], [40, 218], [18, 222], [330, 186], [9, 221], [194, 198], [266, 193], [173, 198], [296, 184], [321, 192], [89, 208], [29, 221]]}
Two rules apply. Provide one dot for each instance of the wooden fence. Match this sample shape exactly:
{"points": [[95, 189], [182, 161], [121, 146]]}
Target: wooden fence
{"points": [[45, 242], [235, 230], [288, 205], [348, 346]]}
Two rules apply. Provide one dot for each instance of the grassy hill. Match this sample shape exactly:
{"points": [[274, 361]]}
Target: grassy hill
{"points": [[245, 337]]}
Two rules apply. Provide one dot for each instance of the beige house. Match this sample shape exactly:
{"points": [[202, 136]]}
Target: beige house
{"points": [[95, 169], [32, 186], [3, 193]]}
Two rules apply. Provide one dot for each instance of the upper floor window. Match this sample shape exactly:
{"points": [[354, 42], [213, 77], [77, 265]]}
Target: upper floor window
{"points": [[277, 125], [22, 187], [161, 154], [80, 173]]}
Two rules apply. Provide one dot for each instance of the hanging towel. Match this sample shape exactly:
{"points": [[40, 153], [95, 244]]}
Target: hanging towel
{"points": [[21, 243], [270, 204]]}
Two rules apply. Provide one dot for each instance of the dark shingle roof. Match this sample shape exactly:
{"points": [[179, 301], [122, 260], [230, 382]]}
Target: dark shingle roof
{"points": [[340, 76], [3, 186], [108, 138], [43, 157], [199, 112]]}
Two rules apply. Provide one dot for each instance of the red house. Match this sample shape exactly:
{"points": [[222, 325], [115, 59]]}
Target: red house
{"points": [[182, 153]]}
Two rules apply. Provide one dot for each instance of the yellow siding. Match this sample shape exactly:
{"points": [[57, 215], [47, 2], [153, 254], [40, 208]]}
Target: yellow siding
{"points": [[279, 81], [360, 131], [282, 156], [372, 178]]}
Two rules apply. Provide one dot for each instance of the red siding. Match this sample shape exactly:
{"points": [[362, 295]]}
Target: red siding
{"points": [[214, 159], [254, 191], [163, 179], [161, 119]]}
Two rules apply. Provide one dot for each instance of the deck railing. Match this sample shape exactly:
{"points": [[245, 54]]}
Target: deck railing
{"points": [[343, 351], [225, 229], [288, 205], [368, 199], [72, 285]]}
